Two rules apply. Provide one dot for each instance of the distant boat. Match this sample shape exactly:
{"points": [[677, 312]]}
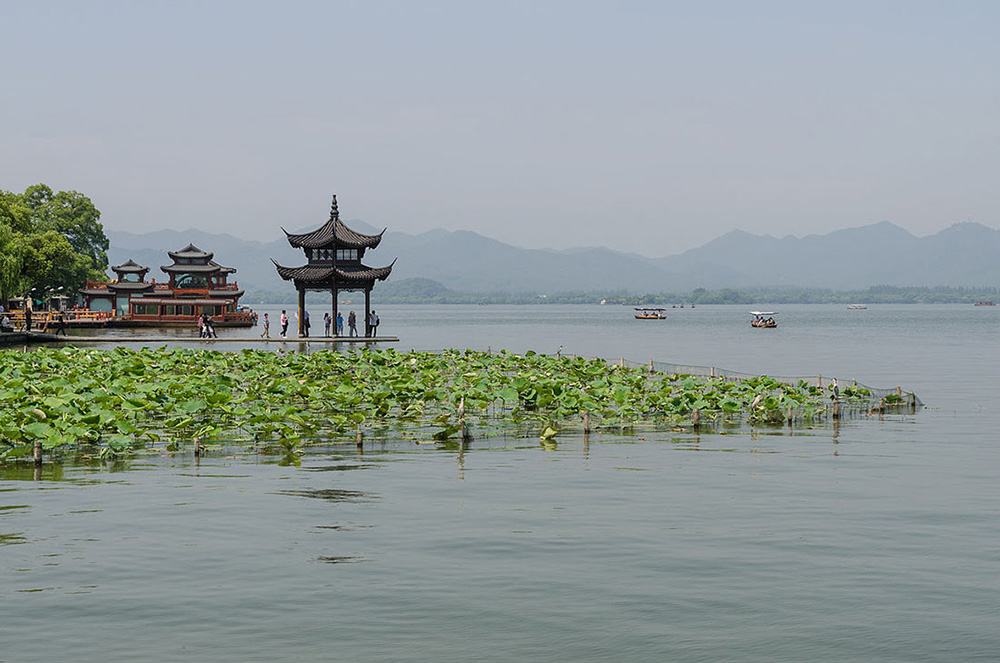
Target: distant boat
{"points": [[856, 307], [763, 319], [647, 313], [985, 304]]}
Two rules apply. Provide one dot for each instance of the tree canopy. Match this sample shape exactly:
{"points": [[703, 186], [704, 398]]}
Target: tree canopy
{"points": [[49, 241]]}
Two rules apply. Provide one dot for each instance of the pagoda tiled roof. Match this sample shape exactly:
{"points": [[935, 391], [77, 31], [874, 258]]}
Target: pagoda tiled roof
{"points": [[130, 267], [191, 251], [211, 267], [325, 274], [333, 232]]}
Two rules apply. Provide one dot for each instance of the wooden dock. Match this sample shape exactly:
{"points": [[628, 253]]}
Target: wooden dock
{"points": [[19, 338]]}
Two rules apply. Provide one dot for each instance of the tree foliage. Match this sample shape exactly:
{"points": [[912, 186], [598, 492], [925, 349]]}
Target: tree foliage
{"points": [[49, 241]]}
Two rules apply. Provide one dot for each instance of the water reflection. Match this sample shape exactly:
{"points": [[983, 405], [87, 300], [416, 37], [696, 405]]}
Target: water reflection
{"points": [[329, 494], [340, 560]]}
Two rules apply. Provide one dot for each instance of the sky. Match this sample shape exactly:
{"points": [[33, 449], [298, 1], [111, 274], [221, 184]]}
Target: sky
{"points": [[651, 127]]}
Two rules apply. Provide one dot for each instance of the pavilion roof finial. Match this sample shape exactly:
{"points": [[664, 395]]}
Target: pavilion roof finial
{"points": [[334, 212]]}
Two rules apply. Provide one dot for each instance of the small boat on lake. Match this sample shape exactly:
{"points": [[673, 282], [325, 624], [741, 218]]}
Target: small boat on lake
{"points": [[763, 319], [647, 313], [985, 304], [856, 307]]}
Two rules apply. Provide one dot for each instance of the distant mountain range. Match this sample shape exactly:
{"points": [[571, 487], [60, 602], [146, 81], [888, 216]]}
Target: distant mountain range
{"points": [[964, 254]]}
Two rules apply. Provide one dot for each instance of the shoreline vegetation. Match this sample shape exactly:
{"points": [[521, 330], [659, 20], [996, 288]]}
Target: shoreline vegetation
{"points": [[426, 291], [110, 403]]}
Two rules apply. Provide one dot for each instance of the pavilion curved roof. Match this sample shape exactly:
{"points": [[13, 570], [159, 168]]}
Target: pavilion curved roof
{"points": [[191, 251], [324, 274], [129, 267], [334, 231]]}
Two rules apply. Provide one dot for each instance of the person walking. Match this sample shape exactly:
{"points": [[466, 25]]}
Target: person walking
{"points": [[266, 333], [201, 326], [326, 325], [352, 324], [61, 325], [284, 323], [210, 328], [305, 323], [340, 323]]}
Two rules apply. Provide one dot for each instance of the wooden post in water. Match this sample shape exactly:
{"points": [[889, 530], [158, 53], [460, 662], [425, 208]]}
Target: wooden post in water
{"points": [[197, 447], [38, 453], [697, 418], [622, 363], [359, 436], [586, 422], [789, 415], [819, 381], [651, 371], [711, 372], [836, 408]]}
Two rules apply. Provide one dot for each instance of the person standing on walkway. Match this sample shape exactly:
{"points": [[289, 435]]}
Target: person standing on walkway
{"points": [[340, 323], [326, 325], [352, 324], [61, 326], [373, 324], [266, 333], [27, 317], [284, 323], [305, 323]]}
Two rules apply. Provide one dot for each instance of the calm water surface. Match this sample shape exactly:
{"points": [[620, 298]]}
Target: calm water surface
{"points": [[875, 540]]}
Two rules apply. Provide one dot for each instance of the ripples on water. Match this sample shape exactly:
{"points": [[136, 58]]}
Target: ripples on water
{"points": [[874, 540]]}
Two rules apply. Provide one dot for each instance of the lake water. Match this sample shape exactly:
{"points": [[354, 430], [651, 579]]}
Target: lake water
{"points": [[873, 540]]}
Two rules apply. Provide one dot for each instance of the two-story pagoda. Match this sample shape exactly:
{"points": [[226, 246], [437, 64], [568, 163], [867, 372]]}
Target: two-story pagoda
{"points": [[334, 253]]}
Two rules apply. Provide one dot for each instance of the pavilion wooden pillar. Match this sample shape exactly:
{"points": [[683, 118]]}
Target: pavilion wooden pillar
{"points": [[302, 311], [368, 311], [333, 323]]}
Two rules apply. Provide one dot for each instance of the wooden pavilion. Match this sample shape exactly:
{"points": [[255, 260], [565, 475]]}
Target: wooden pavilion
{"points": [[334, 253]]}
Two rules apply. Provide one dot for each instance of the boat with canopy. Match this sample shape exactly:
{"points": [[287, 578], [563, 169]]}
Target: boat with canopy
{"points": [[763, 319]]}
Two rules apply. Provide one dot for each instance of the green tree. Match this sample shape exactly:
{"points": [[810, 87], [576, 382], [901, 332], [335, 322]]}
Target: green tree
{"points": [[72, 214], [10, 262], [50, 263]]}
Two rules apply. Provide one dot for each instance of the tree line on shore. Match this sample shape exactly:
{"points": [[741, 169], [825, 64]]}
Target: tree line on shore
{"points": [[426, 291]]}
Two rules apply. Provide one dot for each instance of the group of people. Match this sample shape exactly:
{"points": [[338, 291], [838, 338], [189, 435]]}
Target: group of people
{"points": [[206, 326], [328, 323]]}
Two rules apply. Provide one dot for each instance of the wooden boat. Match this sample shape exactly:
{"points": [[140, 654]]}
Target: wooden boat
{"points": [[856, 307], [763, 319], [985, 304], [647, 313]]}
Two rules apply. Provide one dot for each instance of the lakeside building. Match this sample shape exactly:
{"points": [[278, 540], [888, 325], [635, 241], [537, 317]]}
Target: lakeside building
{"points": [[197, 285], [334, 253]]}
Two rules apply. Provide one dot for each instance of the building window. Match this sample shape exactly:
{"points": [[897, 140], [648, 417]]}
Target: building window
{"points": [[347, 254], [147, 309]]}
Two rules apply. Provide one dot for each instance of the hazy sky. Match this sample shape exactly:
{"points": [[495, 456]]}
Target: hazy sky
{"points": [[642, 126]]}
